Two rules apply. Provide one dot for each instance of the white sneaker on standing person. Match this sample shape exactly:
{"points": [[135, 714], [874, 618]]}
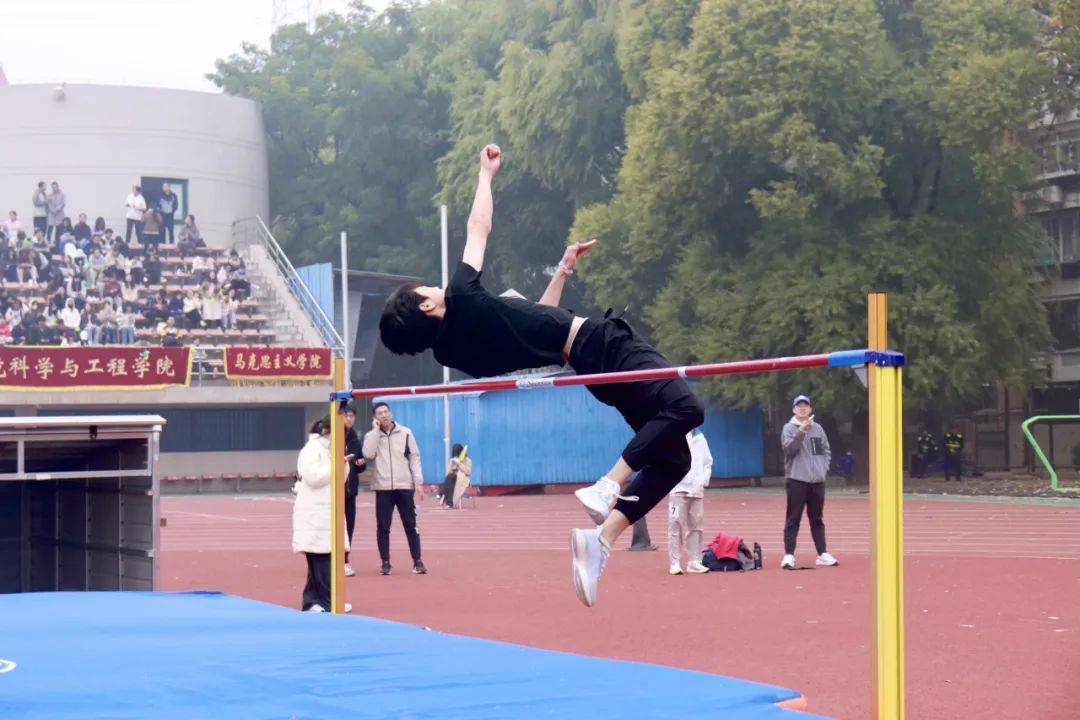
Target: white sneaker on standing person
{"points": [[806, 464], [686, 509]]}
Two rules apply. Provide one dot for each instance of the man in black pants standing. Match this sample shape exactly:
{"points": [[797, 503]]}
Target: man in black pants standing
{"points": [[398, 482], [484, 335], [806, 465], [354, 453]]}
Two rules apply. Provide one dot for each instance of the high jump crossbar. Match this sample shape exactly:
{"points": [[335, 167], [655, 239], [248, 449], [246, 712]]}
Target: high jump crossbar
{"points": [[842, 358]]}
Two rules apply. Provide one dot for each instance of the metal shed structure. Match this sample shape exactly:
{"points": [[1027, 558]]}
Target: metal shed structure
{"points": [[557, 436], [79, 502]]}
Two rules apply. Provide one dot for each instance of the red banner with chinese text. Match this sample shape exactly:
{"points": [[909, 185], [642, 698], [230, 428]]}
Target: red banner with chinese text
{"points": [[93, 368], [277, 363]]}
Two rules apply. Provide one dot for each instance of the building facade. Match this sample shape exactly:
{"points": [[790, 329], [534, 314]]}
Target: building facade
{"points": [[98, 140]]}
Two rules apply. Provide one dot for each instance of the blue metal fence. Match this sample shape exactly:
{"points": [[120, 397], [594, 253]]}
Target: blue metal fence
{"points": [[319, 279], [555, 436]]}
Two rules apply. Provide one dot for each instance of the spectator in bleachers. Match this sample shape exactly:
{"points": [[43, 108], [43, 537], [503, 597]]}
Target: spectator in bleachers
{"points": [[91, 330], [169, 333], [117, 243], [155, 308], [71, 316], [107, 318], [152, 267], [211, 309], [13, 225], [57, 302], [75, 287], [41, 207], [190, 238], [200, 269], [96, 265], [57, 202], [176, 307], [5, 332], [151, 230], [27, 274], [100, 229], [135, 270], [167, 206], [82, 230], [125, 325], [229, 306], [35, 330], [239, 284], [129, 292], [192, 309], [136, 206], [235, 261]]}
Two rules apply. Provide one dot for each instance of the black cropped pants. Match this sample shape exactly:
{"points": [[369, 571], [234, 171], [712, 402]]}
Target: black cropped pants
{"points": [[661, 412]]}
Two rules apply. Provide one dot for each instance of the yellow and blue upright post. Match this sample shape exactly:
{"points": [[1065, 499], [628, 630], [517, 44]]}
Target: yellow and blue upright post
{"points": [[884, 381], [337, 496]]}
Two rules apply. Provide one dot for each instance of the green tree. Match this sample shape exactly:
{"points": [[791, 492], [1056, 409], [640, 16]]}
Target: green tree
{"points": [[540, 79], [352, 133], [785, 157]]}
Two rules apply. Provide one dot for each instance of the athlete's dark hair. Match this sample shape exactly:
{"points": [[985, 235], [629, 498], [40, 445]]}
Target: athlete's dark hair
{"points": [[405, 328], [320, 426]]}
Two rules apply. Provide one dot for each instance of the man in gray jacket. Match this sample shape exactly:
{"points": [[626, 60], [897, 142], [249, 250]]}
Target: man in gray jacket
{"points": [[806, 463], [397, 482]]}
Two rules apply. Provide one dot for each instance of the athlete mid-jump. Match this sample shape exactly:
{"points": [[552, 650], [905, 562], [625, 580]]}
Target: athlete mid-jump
{"points": [[484, 335]]}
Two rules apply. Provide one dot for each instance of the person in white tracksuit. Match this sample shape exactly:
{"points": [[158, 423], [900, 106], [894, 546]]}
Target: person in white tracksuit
{"points": [[686, 508]]}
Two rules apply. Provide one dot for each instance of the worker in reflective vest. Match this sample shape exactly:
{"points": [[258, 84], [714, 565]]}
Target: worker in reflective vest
{"points": [[954, 450], [925, 453]]}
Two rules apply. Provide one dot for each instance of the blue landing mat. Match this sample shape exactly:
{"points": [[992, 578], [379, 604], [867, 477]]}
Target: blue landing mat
{"points": [[158, 656]]}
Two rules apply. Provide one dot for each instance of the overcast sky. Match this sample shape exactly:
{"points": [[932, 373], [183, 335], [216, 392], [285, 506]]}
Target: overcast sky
{"points": [[158, 43]]}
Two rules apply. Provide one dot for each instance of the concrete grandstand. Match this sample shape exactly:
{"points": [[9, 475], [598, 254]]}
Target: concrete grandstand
{"points": [[225, 284]]}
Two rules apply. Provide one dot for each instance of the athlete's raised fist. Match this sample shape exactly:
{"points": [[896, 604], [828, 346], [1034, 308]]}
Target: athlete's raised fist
{"points": [[490, 159]]}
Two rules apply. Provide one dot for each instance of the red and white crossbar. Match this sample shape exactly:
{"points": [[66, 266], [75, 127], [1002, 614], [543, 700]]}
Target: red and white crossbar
{"points": [[843, 358]]}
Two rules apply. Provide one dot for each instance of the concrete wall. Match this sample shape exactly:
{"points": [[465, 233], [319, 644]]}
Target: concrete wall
{"points": [[26, 403], [216, 463], [99, 140]]}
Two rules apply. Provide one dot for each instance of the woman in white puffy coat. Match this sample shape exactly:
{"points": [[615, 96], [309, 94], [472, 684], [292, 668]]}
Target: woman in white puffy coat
{"points": [[311, 516]]}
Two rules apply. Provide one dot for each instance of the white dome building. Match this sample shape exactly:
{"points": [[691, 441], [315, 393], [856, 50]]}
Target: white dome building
{"points": [[99, 140]]}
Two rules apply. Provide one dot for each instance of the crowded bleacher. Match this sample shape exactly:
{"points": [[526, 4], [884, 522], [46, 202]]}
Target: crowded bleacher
{"points": [[156, 281]]}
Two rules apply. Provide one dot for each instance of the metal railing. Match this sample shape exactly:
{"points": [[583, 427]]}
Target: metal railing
{"points": [[253, 231]]}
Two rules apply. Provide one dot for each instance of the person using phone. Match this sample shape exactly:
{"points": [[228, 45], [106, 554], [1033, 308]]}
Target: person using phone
{"points": [[398, 482], [355, 461], [806, 463]]}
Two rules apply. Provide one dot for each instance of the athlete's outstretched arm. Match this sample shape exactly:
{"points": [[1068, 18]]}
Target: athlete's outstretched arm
{"points": [[553, 294], [479, 226]]}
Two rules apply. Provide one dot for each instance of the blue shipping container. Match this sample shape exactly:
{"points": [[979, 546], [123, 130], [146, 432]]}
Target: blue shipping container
{"points": [[550, 436]]}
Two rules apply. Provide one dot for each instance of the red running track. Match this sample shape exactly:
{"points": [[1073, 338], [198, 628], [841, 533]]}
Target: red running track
{"points": [[992, 594]]}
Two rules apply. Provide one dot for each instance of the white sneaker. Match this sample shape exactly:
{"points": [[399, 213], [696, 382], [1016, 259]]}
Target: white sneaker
{"points": [[348, 607], [674, 570], [316, 608], [599, 498], [589, 553], [788, 563], [827, 559], [695, 566], [349, 572]]}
